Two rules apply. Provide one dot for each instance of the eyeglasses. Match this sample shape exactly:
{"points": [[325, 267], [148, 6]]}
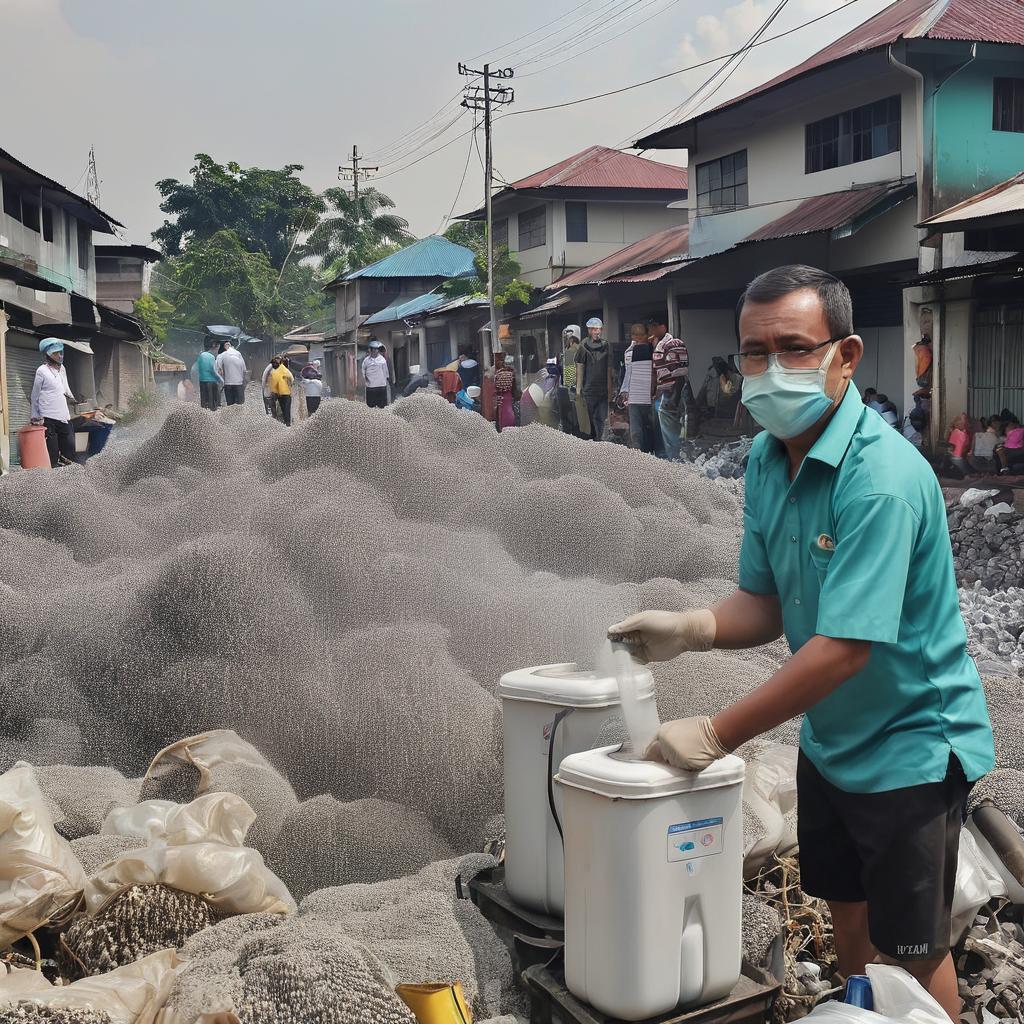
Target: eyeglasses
{"points": [[753, 364]]}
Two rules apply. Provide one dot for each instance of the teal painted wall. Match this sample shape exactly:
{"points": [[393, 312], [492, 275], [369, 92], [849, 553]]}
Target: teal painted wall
{"points": [[969, 155]]}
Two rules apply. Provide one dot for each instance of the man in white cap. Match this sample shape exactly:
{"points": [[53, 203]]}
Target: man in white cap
{"points": [[592, 376], [50, 394], [375, 376]]}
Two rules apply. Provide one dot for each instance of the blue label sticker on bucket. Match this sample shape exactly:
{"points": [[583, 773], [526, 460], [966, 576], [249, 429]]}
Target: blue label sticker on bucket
{"points": [[690, 839]]}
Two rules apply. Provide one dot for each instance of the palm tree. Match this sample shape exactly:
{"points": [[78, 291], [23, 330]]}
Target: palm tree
{"points": [[350, 235]]}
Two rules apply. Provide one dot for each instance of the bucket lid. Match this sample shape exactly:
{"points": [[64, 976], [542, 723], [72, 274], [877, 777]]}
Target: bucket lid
{"points": [[598, 772], [566, 685]]}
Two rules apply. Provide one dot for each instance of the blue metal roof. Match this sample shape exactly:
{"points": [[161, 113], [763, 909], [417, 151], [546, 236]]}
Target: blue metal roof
{"points": [[433, 256], [421, 304]]}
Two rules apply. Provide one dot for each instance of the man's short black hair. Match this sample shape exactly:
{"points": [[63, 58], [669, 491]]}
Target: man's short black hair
{"points": [[657, 319], [832, 293]]}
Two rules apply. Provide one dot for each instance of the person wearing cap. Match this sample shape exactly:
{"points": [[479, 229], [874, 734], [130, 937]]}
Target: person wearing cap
{"points": [[375, 376], [230, 364], [49, 404], [593, 376], [468, 398], [845, 552], [568, 420]]}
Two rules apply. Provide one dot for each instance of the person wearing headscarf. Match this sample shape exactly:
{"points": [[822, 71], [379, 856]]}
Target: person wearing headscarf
{"points": [[312, 382], [50, 394], [504, 390]]}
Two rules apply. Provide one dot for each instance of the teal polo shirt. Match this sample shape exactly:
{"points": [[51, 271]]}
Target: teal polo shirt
{"points": [[206, 367], [856, 547]]}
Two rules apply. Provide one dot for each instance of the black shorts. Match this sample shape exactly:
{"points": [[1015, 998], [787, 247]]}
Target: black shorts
{"points": [[896, 850]]}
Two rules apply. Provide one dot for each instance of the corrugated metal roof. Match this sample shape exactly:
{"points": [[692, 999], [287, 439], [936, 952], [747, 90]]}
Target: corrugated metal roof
{"points": [[1006, 197], [988, 21], [403, 310], [643, 276], [433, 256], [600, 167], [833, 211], [560, 300], [652, 249]]}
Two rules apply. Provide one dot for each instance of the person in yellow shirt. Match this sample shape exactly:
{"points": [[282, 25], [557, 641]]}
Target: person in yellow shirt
{"points": [[279, 382]]}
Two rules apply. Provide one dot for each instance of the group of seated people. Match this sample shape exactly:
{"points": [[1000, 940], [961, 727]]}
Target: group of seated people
{"points": [[993, 444]]}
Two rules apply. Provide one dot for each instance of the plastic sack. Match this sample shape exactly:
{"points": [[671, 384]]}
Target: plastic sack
{"points": [[41, 879], [769, 795], [134, 994], [206, 751], [899, 999], [216, 817], [977, 881]]}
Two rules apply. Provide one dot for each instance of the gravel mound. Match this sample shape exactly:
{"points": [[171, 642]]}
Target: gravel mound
{"points": [[95, 851], [30, 1013], [987, 549], [81, 798], [761, 926]]}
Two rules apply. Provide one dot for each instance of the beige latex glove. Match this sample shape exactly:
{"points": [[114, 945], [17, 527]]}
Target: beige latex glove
{"points": [[661, 636], [688, 743]]}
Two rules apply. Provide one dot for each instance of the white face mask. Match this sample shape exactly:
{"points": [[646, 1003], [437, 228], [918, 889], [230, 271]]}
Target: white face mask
{"points": [[788, 402]]}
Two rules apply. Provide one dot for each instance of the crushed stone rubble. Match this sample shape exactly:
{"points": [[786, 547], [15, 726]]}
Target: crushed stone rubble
{"points": [[231, 559], [717, 460]]}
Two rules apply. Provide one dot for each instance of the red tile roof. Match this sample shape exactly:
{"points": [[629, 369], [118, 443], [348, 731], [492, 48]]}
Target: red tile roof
{"points": [[600, 167], [828, 212], [652, 249], [988, 21]]}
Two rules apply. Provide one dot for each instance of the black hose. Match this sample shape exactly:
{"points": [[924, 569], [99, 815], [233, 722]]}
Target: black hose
{"points": [[551, 768]]}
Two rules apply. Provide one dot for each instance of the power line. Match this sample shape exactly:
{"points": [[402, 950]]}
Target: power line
{"points": [[465, 170], [412, 163], [526, 35]]}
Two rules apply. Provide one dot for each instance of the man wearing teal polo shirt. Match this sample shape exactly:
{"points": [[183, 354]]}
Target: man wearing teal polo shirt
{"points": [[845, 550]]}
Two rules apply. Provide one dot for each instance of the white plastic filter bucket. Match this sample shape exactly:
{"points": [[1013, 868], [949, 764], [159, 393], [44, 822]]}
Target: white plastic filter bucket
{"points": [[531, 699], [653, 882]]}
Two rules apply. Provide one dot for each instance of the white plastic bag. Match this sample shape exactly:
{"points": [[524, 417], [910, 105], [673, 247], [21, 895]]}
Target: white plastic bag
{"points": [[133, 994], [977, 881], [899, 999], [215, 817], [41, 879], [206, 751], [769, 794]]}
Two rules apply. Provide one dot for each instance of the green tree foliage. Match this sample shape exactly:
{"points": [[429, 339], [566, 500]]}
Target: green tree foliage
{"points": [[469, 233], [350, 236], [265, 209], [509, 287], [155, 313]]}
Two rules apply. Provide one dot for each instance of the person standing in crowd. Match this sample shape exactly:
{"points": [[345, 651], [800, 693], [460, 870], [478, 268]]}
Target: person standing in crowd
{"points": [[505, 390], [375, 376], [568, 420], [846, 553], [268, 395], [49, 403], [233, 371], [672, 384], [638, 388], [592, 376], [469, 370], [312, 385], [210, 380], [185, 391], [279, 381]]}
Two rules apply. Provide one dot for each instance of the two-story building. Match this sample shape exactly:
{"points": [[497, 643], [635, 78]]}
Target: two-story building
{"points": [[48, 286], [387, 292], [122, 274], [835, 162], [584, 208]]}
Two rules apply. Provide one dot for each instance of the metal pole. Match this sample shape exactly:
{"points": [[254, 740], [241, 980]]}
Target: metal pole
{"points": [[355, 180], [490, 226]]}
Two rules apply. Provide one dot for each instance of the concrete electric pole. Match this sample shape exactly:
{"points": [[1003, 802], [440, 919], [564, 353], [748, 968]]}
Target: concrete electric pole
{"points": [[484, 98], [354, 173]]}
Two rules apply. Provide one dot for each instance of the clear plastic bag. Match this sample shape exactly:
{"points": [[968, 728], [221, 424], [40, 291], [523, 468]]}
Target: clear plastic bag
{"points": [[41, 879], [899, 999], [769, 795], [977, 881]]}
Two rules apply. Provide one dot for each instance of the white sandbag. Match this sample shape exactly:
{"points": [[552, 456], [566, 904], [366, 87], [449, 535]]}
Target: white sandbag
{"points": [[134, 994], [204, 752], [769, 795], [977, 881], [41, 879], [217, 818], [898, 997], [232, 879]]}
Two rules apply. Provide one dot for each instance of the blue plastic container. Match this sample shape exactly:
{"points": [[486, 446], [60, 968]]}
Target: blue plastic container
{"points": [[858, 992]]}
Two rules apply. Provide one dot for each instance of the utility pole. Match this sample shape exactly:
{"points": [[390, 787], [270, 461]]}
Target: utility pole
{"points": [[354, 173], [484, 98]]}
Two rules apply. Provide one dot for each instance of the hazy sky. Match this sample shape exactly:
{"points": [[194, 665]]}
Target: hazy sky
{"points": [[270, 82]]}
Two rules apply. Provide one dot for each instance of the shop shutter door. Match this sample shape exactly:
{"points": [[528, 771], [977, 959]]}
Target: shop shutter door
{"points": [[131, 374], [21, 372]]}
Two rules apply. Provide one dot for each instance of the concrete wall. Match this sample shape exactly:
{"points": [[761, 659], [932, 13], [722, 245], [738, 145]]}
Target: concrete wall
{"points": [[969, 155], [775, 148]]}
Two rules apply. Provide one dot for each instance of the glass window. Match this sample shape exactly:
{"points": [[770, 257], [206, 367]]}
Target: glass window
{"points": [[84, 238], [48, 223], [854, 135], [1008, 105], [722, 183], [12, 200], [576, 222], [501, 233], [532, 226]]}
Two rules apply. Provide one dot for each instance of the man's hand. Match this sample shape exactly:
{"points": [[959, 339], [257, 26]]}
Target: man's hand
{"points": [[661, 636], [689, 743]]}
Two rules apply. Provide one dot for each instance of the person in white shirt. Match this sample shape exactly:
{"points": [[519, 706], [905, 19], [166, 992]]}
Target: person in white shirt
{"points": [[231, 366], [50, 394], [312, 386], [375, 376]]}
